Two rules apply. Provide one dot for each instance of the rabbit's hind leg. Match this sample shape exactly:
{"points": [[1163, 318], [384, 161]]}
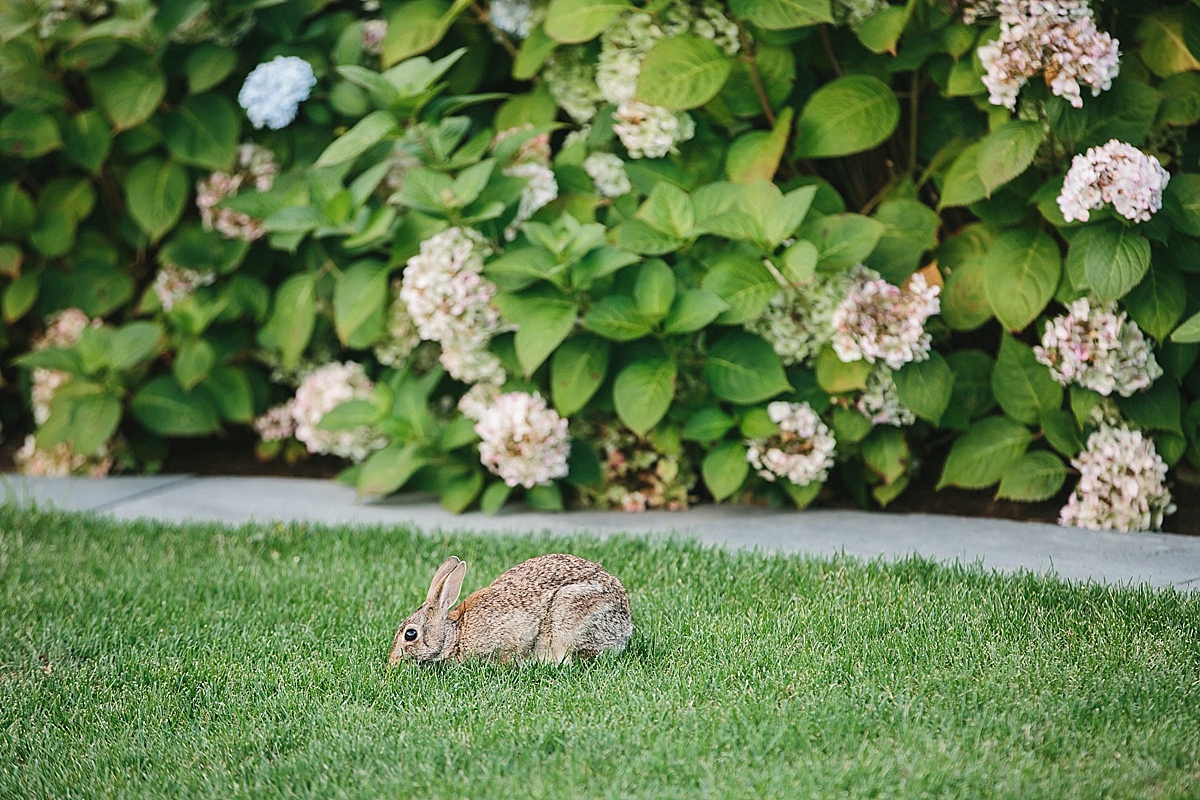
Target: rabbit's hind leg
{"points": [[586, 620]]}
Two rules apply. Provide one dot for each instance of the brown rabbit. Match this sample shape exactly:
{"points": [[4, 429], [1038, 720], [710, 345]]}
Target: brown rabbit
{"points": [[552, 608]]}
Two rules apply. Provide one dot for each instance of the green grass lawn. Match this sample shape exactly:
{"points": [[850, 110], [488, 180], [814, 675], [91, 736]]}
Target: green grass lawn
{"points": [[152, 660]]}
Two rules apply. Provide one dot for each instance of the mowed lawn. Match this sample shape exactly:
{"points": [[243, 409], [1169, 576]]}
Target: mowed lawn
{"points": [[153, 660]]}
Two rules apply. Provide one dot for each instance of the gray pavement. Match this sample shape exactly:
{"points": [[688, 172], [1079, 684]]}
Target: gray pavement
{"points": [[1159, 560]]}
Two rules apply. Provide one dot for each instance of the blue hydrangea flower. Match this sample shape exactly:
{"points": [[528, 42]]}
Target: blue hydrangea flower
{"points": [[274, 89]]}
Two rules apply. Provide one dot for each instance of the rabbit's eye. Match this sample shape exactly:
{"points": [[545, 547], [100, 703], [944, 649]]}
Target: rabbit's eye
{"points": [[410, 635]]}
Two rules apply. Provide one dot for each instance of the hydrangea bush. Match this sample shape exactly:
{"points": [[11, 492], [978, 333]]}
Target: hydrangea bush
{"points": [[612, 254]]}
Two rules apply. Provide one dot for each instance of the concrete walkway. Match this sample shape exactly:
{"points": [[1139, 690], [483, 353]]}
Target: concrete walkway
{"points": [[1156, 559]]}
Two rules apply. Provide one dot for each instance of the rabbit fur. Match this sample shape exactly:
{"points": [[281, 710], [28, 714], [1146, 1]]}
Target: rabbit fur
{"points": [[551, 608]]}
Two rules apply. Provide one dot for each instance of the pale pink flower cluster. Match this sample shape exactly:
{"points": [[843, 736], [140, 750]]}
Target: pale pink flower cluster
{"points": [[450, 302], [516, 17], [531, 163], [61, 460], [637, 476], [173, 284], [802, 451], [320, 391], [63, 329], [607, 172], [1097, 347], [1058, 38], [374, 31], [523, 440], [256, 168], [879, 321], [400, 336], [1116, 173], [798, 321], [880, 401], [1122, 483]]}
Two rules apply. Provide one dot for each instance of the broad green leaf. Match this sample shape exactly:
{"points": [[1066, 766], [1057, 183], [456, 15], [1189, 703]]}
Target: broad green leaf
{"points": [[577, 369], [135, 343], [962, 185], [836, 376], [1125, 112], [925, 387], [1181, 202], [574, 21], [1162, 46], [203, 131], [165, 408], [416, 27], [972, 395], [1008, 151], [533, 52], [880, 32], [1033, 477], [843, 240], [494, 496], [692, 310], [193, 363], [910, 230], [293, 318], [681, 73], [724, 469], [886, 453], [94, 420], [643, 391], [1188, 332], [360, 298], [88, 140], [982, 455], [654, 291], [1061, 432], [1159, 408], [387, 470], [847, 115], [775, 15], [668, 209], [156, 193], [232, 393], [460, 487], [616, 318], [28, 134], [744, 369], [543, 322], [207, 65], [366, 133], [744, 284], [351, 414], [756, 155], [128, 92], [707, 424], [20, 295], [1115, 258], [1023, 386], [640, 237], [1020, 273], [1180, 100]]}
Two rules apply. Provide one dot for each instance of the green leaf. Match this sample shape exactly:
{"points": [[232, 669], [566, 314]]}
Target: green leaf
{"points": [[193, 363], [962, 185], [88, 140], [1115, 258], [576, 372], [1162, 47], [232, 393], [1023, 387], [207, 65], [1061, 432], [643, 391], [203, 131], [776, 15], [836, 376], [366, 133], [165, 408], [843, 240], [494, 497], [360, 298], [886, 453], [27, 134], [682, 72], [982, 455], [744, 369], [910, 229], [724, 469], [543, 321], [925, 387], [94, 420], [532, 54], [756, 155], [847, 115], [1181, 202], [668, 210], [1159, 408], [692, 310], [707, 424], [135, 343], [19, 296], [743, 284], [1125, 112], [545, 498], [881, 31], [351, 414], [293, 318], [387, 470], [1008, 151], [1188, 332], [1020, 273], [617, 318], [1033, 477], [654, 291], [128, 92], [416, 27], [972, 395], [575, 21], [156, 192], [460, 488]]}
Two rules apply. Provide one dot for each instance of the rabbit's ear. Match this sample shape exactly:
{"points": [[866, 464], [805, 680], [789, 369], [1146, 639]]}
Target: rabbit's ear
{"points": [[439, 577], [452, 586]]}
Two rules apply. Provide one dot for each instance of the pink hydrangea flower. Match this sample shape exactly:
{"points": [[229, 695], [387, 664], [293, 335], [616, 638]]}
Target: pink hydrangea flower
{"points": [[1116, 173], [878, 321], [1098, 348], [523, 441], [802, 451]]}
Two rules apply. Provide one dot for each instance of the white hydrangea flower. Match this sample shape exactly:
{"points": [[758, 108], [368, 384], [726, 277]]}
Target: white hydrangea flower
{"points": [[515, 17], [274, 90], [798, 321], [61, 460], [878, 321], [802, 451], [173, 284], [63, 329], [322, 390], [541, 188], [257, 168], [1098, 348], [1116, 173], [1122, 482], [649, 131], [607, 171], [880, 401], [1055, 37], [523, 441], [572, 83], [278, 423], [478, 399], [400, 336]]}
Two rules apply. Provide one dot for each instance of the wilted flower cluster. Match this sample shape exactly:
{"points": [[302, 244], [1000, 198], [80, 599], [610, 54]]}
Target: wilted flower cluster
{"points": [[1098, 348], [802, 451], [61, 460], [607, 172], [1116, 173], [880, 401], [523, 441], [319, 392], [516, 17], [173, 284], [855, 12], [205, 26], [274, 90], [257, 168], [798, 321], [879, 321], [1122, 482], [450, 302], [400, 336], [374, 31], [532, 163], [1058, 38], [636, 476]]}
